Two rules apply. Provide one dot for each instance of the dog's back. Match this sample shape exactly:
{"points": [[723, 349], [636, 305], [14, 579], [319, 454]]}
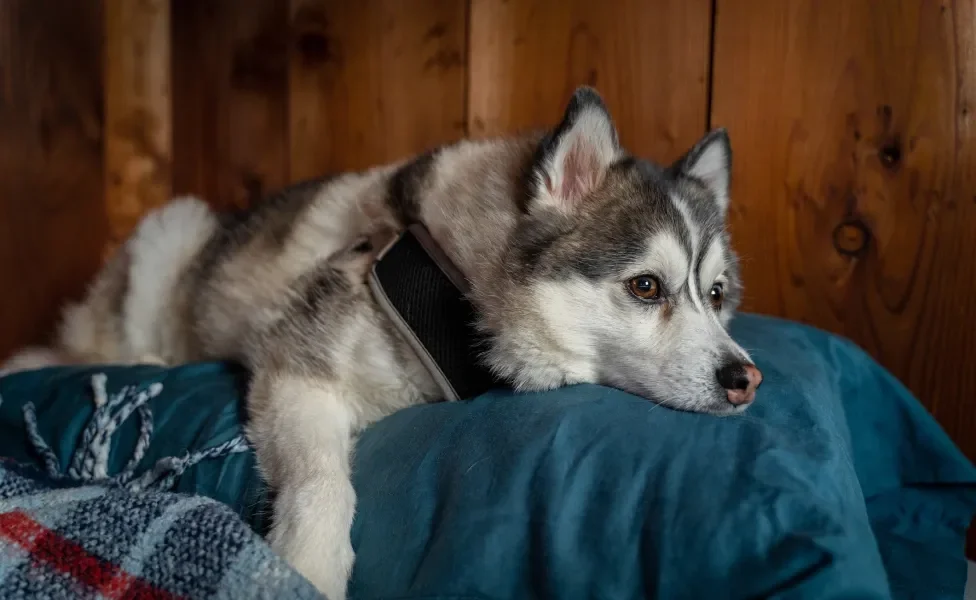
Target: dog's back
{"points": [[190, 284]]}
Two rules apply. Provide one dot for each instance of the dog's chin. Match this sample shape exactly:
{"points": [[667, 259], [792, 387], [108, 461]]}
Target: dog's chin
{"points": [[714, 409], [707, 401], [716, 404], [725, 408]]}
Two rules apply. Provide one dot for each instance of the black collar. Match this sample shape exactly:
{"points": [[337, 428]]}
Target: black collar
{"points": [[424, 295]]}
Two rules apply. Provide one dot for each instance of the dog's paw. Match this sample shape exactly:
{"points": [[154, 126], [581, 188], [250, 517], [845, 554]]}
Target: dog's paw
{"points": [[311, 538], [327, 571]]}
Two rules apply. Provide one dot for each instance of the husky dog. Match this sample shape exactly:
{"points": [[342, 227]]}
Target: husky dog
{"points": [[586, 265]]}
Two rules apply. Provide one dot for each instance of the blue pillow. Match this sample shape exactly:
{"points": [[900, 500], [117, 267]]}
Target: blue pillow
{"points": [[836, 473], [837, 483]]}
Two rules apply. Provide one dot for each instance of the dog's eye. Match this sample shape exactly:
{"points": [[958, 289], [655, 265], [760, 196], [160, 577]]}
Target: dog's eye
{"points": [[645, 287], [716, 295]]}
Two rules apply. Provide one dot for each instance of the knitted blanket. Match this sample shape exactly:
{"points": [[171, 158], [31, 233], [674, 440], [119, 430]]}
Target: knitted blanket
{"points": [[86, 533]]}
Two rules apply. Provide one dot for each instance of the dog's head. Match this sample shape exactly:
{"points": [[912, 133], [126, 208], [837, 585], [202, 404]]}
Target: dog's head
{"points": [[620, 272]]}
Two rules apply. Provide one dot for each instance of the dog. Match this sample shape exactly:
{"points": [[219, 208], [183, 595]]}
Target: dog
{"points": [[586, 264]]}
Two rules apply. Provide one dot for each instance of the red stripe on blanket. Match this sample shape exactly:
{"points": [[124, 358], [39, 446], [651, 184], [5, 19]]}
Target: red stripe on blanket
{"points": [[68, 557]]}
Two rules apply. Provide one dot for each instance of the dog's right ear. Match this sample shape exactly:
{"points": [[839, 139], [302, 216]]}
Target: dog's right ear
{"points": [[572, 162]]}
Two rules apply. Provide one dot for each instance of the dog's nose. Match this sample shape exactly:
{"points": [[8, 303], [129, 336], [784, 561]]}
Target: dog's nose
{"points": [[740, 382]]}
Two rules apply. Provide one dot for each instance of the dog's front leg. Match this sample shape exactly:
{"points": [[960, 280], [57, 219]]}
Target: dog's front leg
{"points": [[302, 429]]}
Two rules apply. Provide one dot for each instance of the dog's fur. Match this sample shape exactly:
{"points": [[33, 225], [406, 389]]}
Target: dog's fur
{"points": [[549, 229]]}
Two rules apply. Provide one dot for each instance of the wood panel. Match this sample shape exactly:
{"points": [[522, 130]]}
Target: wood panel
{"points": [[52, 216], [373, 81], [649, 60], [855, 178], [138, 130], [230, 98]]}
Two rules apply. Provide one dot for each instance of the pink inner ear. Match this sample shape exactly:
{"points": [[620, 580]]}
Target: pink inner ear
{"points": [[581, 167]]}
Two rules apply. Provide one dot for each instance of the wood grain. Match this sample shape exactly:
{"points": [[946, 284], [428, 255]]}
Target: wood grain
{"points": [[138, 128], [649, 60], [854, 121], [52, 215], [230, 98], [373, 81]]}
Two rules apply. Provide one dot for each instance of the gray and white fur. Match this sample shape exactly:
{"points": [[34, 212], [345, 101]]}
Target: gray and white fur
{"points": [[586, 264]]}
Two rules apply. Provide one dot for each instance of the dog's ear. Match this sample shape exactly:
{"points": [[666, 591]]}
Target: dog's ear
{"points": [[710, 162], [572, 162]]}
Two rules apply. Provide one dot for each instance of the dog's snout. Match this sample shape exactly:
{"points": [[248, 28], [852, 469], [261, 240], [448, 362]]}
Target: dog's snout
{"points": [[740, 381]]}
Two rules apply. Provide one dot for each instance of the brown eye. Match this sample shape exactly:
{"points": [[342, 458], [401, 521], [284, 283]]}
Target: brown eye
{"points": [[716, 295], [645, 287]]}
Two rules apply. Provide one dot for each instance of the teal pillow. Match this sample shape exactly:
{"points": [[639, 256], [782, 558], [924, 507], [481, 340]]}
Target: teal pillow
{"points": [[837, 483]]}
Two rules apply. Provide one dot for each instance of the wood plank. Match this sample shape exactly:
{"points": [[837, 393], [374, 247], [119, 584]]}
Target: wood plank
{"points": [[373, 81], [52, 215], [138, 129], [854, 121], [230, 74], [648, 59]]}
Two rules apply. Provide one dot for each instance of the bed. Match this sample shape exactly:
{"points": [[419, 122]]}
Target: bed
{"points": [[836, 484]]}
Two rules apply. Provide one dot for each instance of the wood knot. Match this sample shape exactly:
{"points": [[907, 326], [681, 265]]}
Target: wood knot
{"points": [[444, 60], [314, 48], [851, 238], [437, 31], [890, 155], [253, 188]]}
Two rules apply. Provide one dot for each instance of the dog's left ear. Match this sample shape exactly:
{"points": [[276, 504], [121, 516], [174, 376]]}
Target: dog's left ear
{"points": [[572, 162], [710, 162]]}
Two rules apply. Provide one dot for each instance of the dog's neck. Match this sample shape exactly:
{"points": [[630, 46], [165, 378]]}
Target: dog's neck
{"points": [[470, 201]]}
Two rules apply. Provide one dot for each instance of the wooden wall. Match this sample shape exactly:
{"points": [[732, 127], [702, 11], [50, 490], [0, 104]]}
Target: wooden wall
{"points": [[53, 221], [854, 130], [852, 124]]}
